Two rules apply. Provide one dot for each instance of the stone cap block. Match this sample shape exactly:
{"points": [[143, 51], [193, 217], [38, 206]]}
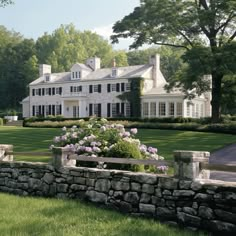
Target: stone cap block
{"points": [[191, 156]]}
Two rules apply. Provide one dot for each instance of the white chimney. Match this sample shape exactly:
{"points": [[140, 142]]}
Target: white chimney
{"points": [[155, 61], [44, 69], [94, 63]]}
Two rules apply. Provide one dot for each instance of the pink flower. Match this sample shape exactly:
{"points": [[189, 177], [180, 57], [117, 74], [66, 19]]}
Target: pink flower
{"points": [[134, 131]]}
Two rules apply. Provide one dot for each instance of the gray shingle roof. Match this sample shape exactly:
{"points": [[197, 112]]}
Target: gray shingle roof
{"points": [[99, 74]]}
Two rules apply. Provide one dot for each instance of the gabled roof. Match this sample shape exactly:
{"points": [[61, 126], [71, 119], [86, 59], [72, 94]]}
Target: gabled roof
{"points": [[99, 74], [80, 66]]}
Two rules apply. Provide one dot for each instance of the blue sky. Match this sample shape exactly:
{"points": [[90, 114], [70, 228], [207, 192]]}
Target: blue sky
{"points": [[34, 17]]}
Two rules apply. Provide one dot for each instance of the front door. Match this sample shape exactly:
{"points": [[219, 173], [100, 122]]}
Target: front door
{"points": [[75, 111]]}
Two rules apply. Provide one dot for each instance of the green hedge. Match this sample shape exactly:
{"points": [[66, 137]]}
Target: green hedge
{"points": [[1, 122], [227, 127]]}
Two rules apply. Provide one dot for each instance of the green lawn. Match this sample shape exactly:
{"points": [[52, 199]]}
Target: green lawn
{"points": [[25, 216], [39, 139], [36, 216]]}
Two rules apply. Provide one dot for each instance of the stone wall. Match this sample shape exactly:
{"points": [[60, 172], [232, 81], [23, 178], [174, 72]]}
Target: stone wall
{"points": [[198, 203]]}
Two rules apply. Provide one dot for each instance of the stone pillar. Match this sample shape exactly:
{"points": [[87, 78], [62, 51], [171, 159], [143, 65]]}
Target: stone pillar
{"points": [[6, 152], [61, 157], [187, 165]]}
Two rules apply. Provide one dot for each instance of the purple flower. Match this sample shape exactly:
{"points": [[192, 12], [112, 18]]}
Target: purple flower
{"points": [[152, 150], [96, 149], [126, 134], [88, 149], [63, 138], [143, 148]]}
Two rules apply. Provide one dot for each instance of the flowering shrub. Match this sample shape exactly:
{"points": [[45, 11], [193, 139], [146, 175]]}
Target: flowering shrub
{"points": [[100, 139]]}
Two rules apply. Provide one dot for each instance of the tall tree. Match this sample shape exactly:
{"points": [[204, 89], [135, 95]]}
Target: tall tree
{"points": [[66, 45], [206, 29], [170, 59]]}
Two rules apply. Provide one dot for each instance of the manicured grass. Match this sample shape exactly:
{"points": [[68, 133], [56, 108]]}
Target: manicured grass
{"points": [[24, 216], [169, 140], [39, 140]]}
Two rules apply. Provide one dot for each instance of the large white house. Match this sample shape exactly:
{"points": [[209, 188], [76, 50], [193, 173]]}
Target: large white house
{"points": [[89, 90]]}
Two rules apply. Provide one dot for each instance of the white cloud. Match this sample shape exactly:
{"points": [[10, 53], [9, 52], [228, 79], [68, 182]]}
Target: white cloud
{"points": [[124, 43], [104, 31]]}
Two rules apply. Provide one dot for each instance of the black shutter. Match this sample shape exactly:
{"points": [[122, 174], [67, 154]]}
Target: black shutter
{"points": [[50, 91], [99, 110], [33, 92], [53, 91], [50, 110], [99, 88], [118, 109], [60, 90], [90, 88], [33, 112], [60, 110], [39, 91], [53, 110], [40, 111], [90, 109], [80, 88], [122, 87], [108, 88], [43, 110], [71, 89], [43, 91], [117, 87], [122, 109], [108, 109]]}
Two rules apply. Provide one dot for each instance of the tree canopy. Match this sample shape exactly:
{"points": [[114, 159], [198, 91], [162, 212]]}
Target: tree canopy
{"points": [[206, 29], [20, 57]]}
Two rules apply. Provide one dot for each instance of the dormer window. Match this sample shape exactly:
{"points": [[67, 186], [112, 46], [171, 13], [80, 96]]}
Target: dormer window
{"points": [[47, 77], [113, 72], [75, 75]]}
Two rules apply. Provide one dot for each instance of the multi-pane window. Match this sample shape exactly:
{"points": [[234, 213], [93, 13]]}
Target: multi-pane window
{"points": [[114, 72], [47, 91], [95, 88], [57, 90], [95, 109], [145, 109], [127, 109], [188, 109], [127, 87], [47, 78], [58, 110], [113, 87], [171, 109], [162, 109], [197, 110], [193, 110], [179, 109], [113, 110], [47, 110], [201, 111], [153, 109], [37, 110]]}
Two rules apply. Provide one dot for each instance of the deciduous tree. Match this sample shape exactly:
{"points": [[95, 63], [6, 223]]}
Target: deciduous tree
{"points": [[206, 29]]}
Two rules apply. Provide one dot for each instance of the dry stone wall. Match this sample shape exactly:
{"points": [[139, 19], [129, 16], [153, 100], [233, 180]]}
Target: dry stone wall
{"points": [[204, 204]]}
